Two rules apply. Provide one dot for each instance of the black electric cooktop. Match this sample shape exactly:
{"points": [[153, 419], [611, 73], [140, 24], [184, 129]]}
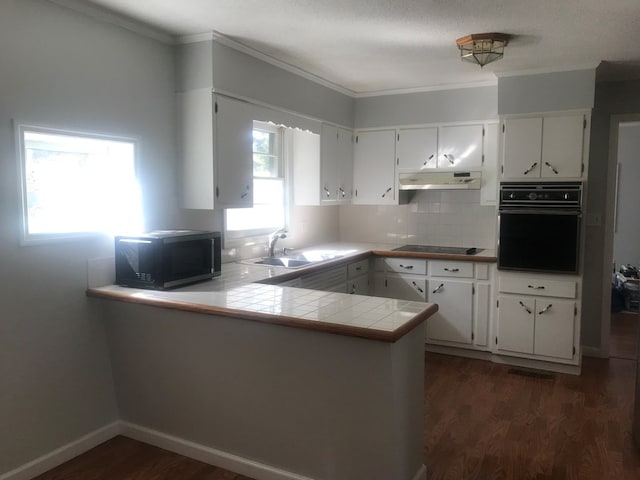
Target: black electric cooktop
{"points": [[437, 249]]}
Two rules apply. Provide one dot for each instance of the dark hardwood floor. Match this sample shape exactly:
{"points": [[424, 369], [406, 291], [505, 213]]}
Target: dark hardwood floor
{"points": [[482, 422], [623, 340], [122, 458]]}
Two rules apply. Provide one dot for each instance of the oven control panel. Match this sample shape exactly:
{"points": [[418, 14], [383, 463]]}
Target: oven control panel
{"points": [[536, 194]]}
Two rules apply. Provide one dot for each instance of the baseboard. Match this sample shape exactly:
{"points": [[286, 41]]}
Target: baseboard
{"points": [[60, 455], [421, 474], [208, 455], [591, 351]]}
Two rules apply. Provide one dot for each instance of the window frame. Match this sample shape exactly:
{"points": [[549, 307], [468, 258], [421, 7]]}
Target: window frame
{"points": [[20, 128], [234, 238]]}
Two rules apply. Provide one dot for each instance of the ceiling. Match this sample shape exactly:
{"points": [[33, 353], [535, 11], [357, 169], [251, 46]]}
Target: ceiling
{"points": [[375, 46]]}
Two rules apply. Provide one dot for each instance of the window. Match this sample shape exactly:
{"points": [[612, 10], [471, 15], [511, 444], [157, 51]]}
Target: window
{"points": [[76, 183], [268, 212]]}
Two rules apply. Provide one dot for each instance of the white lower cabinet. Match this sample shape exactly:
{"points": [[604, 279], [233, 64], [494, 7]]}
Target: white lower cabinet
{"points": [[536, 326], [462, 291], [544, 326], [403, 287], [454, 320]]}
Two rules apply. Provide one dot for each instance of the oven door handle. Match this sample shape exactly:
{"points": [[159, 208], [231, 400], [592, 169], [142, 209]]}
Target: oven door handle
{"points": [[540, 211]]}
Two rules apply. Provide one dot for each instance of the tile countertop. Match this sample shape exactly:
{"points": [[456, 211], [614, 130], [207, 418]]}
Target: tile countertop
{"points": [[235, 294]]}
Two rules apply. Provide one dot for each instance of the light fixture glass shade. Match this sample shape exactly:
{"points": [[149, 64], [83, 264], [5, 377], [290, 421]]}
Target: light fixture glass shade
{"points": [[482, 48]]}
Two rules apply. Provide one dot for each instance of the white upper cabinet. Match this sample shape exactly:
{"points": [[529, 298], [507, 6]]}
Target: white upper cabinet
{"points": [[216, 142], [345, 165], [417, 148], [374, 177], [336, 164], [489, 190], [562, 145], [322, 166], [543, 147], [234, 153], [460, 147]]}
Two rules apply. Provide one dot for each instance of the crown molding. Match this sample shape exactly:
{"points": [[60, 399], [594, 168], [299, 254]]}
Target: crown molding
{"points": [[541, 71], [108, 16], [434, 88]]}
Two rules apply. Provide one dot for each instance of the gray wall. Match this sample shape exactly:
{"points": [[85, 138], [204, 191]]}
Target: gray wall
{"points": [[464, 104], [546, 92], [626, 246], [64, 69], [238, 73]]}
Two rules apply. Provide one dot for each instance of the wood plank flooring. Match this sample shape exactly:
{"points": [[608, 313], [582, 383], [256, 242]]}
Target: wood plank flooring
{"points": [[623, 340], [482, 423], [122, 458]]}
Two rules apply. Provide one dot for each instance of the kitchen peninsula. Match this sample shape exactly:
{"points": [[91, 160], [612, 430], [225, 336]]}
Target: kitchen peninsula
{"points": [[272, 381]]}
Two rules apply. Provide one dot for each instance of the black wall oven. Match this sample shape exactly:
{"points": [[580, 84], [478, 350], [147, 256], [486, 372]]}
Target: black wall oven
{"points": [[539, 226]]}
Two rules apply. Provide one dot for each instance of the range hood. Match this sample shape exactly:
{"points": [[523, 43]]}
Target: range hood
{"points": [[440, 181]]}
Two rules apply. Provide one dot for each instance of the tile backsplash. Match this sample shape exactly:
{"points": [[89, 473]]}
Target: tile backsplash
{"points": [[434, 217]]}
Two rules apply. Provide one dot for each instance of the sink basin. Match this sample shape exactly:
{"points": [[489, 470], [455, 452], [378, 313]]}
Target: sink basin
{"points": [[283, 262]]}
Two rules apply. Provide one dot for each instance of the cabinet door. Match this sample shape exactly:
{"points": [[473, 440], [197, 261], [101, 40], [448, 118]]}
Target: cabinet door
{"points": [[407, 287], [482, 314], [417, 148], [460, 147], [516, 322], [489, 189], [374, 168], [358, 285], [305, 150], [522, 150], [234, 153], [196, 127], [554, 332], [345, 165], [562, 142], [329, 161], [454, 321]]}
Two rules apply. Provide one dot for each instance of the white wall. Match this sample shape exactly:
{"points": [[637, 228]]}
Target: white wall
{"points": [[61, 68], [626, 241]]}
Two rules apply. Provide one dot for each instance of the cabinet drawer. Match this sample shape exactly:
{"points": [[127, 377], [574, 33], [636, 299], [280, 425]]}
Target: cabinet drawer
{"points": [[539, 287], [445, 268], [358, 268], [415, 266]]}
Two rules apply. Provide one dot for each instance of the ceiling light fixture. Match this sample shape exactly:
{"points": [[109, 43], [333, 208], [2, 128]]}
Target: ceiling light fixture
{"points": [[482, 48]]}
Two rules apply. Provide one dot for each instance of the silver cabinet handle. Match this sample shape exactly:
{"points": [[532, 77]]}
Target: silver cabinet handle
{"points": [[528, 170], [408, 267], [417, 287], [244, 195], [525, 307], [439, 287], [551, 167], [452, 270], [386, 191], [427, 160], [545, 309], [326, 191], [537, 287], [342, 192]]}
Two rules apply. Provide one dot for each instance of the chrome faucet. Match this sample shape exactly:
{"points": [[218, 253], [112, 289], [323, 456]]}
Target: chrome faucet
{"points": [[273, 238]]}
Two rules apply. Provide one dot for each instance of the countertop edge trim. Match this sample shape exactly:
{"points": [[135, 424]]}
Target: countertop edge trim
{"points": [[346, 330]]}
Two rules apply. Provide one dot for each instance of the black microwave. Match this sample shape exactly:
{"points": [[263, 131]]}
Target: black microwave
{"points": [[165, 259]]}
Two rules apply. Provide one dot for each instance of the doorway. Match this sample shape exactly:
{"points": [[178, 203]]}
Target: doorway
{"points": [[624, 233]]}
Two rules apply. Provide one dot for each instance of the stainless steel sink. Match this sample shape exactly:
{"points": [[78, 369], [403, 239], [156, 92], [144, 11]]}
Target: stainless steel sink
{"points": [[282, 262]]}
